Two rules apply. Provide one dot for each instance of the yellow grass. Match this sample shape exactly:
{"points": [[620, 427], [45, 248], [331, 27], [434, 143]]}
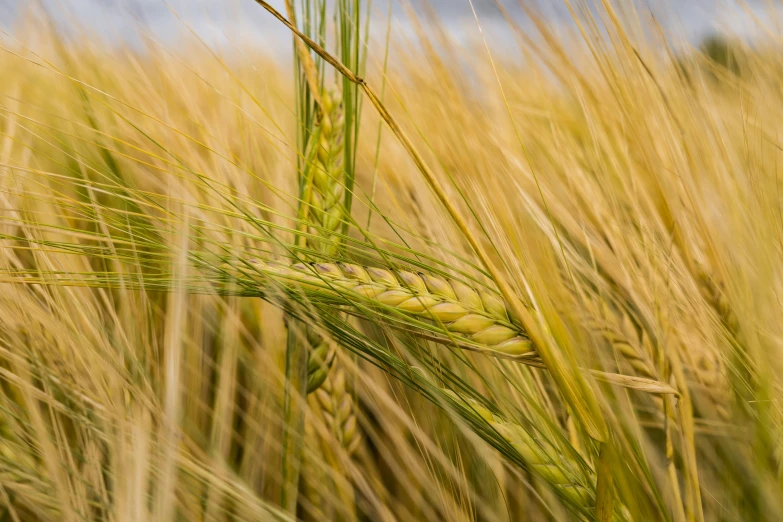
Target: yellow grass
{"points": [[626, 199]]}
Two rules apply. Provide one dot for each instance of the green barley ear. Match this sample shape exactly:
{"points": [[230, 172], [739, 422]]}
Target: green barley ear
{"points": [[321, 359], [476, 319], [327, 211], [572, 480], [327, 142]]}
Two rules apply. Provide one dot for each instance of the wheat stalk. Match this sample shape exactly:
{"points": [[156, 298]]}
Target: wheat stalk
{"points": [[708, 371]]}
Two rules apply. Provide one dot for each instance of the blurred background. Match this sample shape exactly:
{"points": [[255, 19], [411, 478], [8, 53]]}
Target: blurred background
{"points": [[128, 20]]}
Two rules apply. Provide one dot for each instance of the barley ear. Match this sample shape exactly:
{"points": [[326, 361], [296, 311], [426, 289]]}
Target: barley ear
{"points": [[567, 477], [338, 410], [321, 358], [326, 209], [478, 320]]}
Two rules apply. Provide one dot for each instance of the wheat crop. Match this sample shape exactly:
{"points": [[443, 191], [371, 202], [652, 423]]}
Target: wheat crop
{"points": [[496, 267]]}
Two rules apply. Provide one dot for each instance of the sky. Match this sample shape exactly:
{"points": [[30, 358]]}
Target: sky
{"points": [[221, 22]]}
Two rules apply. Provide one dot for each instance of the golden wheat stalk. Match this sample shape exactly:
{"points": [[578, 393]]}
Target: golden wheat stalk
{"points": [[636, 348], [708, 368], [618, 329]]}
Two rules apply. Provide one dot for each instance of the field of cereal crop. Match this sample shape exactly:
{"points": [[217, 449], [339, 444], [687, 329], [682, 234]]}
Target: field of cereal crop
{"points": [[393, 275]]}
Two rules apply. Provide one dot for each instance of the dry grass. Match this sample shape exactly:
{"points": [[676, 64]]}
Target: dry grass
{"points": [[625, 200]]}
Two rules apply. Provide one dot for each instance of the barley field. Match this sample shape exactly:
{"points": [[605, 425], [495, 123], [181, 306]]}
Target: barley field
{"points": [[392, 275]]}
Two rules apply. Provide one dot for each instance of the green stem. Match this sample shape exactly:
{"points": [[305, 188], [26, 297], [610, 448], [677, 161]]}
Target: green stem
{"points": [[306, 190], [294, 404], [604, 505]]}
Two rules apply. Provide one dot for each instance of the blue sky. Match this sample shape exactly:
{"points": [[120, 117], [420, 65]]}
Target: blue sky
{"points": [[242, 21]]}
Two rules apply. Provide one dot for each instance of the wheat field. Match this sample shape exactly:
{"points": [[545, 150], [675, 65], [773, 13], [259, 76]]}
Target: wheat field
{"points": [[391, 275]]}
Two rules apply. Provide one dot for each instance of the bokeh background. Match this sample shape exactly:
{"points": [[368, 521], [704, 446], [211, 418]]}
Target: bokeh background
{"points": [[120, 20]]}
